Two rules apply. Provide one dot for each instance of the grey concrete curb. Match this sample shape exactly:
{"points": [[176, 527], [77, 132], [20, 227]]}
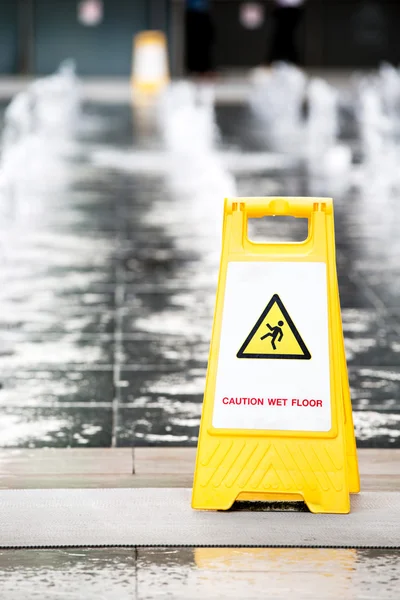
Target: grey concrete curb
{"points": [[163, 517]]}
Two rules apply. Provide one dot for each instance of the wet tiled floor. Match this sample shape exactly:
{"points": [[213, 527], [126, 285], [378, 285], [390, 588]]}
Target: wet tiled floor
{"points": [[107, 290], [191, 573]]}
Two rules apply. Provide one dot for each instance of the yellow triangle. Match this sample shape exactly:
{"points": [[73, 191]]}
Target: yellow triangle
{"points": [[274, 335]]}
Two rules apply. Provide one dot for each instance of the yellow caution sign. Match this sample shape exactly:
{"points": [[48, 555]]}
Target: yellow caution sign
{"points": [[150, 73], [277, 420]]}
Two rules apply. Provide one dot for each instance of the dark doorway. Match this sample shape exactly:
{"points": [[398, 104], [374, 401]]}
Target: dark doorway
{"points": [[8, 37], [103, 49]]}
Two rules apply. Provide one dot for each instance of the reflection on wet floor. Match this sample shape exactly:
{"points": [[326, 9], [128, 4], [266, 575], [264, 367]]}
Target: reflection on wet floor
{"points": [[187, 573], [107, 291]]}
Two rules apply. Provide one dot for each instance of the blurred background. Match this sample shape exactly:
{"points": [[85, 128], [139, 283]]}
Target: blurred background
{"points": [[124, 124], [36, 35]]}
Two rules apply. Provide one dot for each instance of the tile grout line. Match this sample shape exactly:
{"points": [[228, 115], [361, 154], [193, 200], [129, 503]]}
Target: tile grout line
{"points": [[136, 573], [119, 294], [119, 298]]}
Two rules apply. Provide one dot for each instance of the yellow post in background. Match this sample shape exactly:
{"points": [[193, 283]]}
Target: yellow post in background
{"points": [[150, 73], [277, 418]]}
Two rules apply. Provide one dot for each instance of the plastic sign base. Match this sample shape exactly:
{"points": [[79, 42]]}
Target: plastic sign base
{"points": [[277, 419]]}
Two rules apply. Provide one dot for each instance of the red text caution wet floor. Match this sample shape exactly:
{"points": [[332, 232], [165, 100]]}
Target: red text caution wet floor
{"points": [[312, 403]]}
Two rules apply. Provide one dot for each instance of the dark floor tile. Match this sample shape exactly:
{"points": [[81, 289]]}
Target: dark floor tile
{"points": [[41, 275], [169, 312], [167, 323], [365, 253], [94, 276], [386, 286], [343, 262], [55, 427], [188, 276], [92, 197], [370, 265], [44, 351], [394, 313], [375, 389], [377, 429], [179, 351], [169, 425], [192, 263], [110, 123], [142, 388], [66, 260], [51, 387], [55, 298], [199, 300], [159, 264], [370, 338], [39, 244], [81, 220], [353, 294], [61, 573], [185, 281], [58, 322], [237, 127]]}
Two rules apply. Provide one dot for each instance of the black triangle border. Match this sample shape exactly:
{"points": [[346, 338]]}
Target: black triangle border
{"points": [[306, 354]]}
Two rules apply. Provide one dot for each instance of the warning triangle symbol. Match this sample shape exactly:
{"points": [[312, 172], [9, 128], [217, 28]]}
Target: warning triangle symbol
{"points": [[274, 335]]}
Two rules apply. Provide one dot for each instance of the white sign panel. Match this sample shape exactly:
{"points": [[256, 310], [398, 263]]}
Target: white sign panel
{"points": [[273, 365]]}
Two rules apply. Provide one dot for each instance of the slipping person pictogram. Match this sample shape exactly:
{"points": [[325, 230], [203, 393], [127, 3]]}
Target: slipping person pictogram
{"points": [[276, 326], [276, 333]]}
